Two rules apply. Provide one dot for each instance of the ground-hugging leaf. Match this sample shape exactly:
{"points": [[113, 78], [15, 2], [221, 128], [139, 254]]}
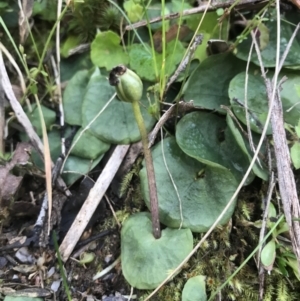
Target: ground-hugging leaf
{"points": [[76, 167], [207, 138], [49, 117], [88, 146], [141, 60], [106, 50], [289, 97], [117, 123], [208, 85], [204, 190], [257, 102], [73, 64], [259, 167], [269, 52], [147, 261], [73, 97], [194, 289]]}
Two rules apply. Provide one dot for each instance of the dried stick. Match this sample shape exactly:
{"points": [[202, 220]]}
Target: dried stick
{"points": [[182, 66], [286, 180], [200, 9], [92, 201], [23, 119]]}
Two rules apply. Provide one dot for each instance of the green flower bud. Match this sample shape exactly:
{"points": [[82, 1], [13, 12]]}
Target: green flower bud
{"points": [[129, 86]]}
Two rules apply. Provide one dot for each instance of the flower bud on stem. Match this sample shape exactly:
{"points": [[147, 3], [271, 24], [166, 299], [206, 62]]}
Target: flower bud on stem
{"points": [[129, 88]]}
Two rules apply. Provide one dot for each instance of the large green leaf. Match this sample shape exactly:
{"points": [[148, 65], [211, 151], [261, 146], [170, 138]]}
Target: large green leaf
{"points": [[206, 137], [88, 146], [106, 50], [117, 122], [257, 102], [73, 97], [269, 52], [208, 85], [194, 289], [141, 59], [147, 261], [74, 63], [76, 167], [259, 168], [204, 190], [49, 117]]}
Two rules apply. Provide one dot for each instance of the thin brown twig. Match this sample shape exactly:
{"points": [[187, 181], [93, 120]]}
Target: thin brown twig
{"points": [[112, 210], [195, 10], [286, 180], [262, 234]]}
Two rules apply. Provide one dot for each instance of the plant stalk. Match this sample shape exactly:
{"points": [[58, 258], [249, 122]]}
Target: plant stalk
{"points": [[150, 170]]}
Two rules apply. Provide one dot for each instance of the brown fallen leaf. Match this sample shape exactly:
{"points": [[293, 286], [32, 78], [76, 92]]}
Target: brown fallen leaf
{"points": [[10, 183]]}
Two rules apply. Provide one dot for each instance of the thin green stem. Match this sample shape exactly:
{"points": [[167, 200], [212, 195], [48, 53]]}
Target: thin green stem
{"points": [[150, 170]]}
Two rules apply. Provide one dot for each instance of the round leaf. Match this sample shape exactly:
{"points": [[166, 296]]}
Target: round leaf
{"points": [[257, 102], [289, 97], [147, 261], [49, 117], [194, 289], [76, 167], [206, 137], [204, 190], [269, 48], [208, 85], [117, 123], [259, 168], [73, 97], [106, 50], [95, 148], [141, 60]]}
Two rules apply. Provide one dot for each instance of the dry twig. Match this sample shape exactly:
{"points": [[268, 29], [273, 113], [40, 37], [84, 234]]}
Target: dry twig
{"points": [[286, 180]]}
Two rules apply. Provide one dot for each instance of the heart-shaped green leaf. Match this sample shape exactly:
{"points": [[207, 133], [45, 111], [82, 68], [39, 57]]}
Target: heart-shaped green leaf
{"points": [[117, 123], [76, 167], [73, 97], [49, 117], [207, 138], [259, 167], [106, 50], [141, 60], [194, 289], [257, 101], [269, 53], [203, 191], [147, 261], [88, 146], [208, 85]]}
